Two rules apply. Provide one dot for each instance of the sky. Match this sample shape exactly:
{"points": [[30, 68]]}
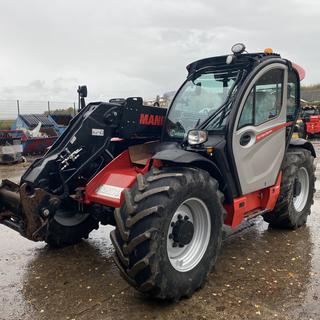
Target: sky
{"points": [[140, 47]]}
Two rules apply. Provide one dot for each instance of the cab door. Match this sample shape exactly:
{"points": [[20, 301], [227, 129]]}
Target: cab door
{"points": [[259, 134]]}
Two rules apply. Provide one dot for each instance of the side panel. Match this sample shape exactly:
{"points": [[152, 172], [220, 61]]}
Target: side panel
{"points": [[255, 202], [107, 186], [258, 162], [139, 120]]}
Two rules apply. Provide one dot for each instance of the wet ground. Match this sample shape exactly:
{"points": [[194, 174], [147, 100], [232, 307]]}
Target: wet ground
{"points": [[261, 274]]}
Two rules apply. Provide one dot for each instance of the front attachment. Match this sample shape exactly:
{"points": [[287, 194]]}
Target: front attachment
{"points": [[26, 210]]}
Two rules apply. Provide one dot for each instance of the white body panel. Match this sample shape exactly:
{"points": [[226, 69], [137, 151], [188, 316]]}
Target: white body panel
{"points": [[258, 163]]}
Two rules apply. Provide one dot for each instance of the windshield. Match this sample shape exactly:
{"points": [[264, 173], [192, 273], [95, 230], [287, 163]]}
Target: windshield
{"points": [[199, 98]]}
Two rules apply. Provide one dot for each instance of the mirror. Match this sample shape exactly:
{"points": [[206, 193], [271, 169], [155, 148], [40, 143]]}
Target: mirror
{"points": [[83, 91]]}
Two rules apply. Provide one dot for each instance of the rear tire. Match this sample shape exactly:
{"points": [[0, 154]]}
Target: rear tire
{"points": [[62, 233], [296, 191], [144, 236]]}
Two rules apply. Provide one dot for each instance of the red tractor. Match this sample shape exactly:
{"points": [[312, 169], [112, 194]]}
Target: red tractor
{"points": [[168, 181]]}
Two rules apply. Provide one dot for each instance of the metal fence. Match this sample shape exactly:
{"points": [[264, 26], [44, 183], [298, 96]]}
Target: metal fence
{"points": [[311, 95], [9, 109]]}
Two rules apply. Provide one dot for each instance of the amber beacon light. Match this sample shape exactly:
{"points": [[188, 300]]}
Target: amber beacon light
{"points": [[268, 50]]}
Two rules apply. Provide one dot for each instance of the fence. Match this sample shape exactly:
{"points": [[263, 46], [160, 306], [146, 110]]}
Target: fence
{"points": [[311, 95], [9, 109]]}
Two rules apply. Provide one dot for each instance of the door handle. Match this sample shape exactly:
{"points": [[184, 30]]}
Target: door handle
{"points": [[245, 139]]}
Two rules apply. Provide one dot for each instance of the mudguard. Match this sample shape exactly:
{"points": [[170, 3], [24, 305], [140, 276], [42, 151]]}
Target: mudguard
{"points": [[298, 142], [180, 156]]}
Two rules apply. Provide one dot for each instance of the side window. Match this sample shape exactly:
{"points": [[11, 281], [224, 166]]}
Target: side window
{"points": [[292, 96], [265, 99]]}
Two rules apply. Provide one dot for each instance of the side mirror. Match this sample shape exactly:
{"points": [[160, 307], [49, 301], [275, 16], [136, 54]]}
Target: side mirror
{"points": [[82, 91]]}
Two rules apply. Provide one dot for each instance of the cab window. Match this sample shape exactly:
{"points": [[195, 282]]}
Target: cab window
{"points": [[264, 100], [292, 96]]}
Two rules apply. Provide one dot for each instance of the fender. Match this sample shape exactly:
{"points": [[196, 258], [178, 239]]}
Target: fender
{"points": [[180, 156], [298, 142]]}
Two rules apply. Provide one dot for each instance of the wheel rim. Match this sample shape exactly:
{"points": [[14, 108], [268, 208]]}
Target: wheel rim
{"points": [[300, 200], [185, 258]]}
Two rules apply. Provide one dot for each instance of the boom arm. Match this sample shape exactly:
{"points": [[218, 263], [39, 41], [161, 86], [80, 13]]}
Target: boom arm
{"points": [[100, 132]]}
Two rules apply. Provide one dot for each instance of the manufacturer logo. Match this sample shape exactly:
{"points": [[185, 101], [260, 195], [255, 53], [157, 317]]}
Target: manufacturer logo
{"points": [[151, 120]]}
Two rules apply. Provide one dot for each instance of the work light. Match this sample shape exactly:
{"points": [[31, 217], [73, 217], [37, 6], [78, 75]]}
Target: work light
{"points": [[238, 48]]}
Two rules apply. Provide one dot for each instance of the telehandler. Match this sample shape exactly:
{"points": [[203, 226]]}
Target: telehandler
{"points": [[309, 122], [168, 180]]}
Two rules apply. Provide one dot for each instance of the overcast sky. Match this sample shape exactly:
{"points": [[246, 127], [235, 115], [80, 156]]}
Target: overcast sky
{"points": [[125, 48]]}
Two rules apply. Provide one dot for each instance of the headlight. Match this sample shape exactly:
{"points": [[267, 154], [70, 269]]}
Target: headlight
{"points": [[197, 137]]}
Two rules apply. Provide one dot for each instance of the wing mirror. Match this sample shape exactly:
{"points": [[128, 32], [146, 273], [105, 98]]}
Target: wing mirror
{"points": [[82, 91]]}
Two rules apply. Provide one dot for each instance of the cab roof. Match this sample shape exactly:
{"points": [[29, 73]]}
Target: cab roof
{"points": [[242, 61]]}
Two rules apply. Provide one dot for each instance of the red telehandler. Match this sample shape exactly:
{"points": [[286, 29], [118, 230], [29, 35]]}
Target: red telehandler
{"points": [[169, 180], [308, 124]]}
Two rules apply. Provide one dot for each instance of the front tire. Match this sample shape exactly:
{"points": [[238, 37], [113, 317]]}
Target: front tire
{"points": [[296, 191], [166, 215]]}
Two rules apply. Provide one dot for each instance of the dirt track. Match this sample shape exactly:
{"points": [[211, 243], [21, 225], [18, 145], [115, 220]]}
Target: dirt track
{"points": [[261, 274]]}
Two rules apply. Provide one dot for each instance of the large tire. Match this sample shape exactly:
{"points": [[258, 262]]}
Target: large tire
{"points": [[288, 212], [143, 231], [61, 233]]}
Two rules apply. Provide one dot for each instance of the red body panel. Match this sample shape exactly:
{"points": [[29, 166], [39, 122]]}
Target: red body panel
{"points": [[264, 199], [300, 71], [120, 173], [313, 126]]}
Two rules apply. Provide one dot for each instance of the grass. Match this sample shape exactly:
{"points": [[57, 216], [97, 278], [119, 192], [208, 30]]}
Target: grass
{"points": [[6, 124]]}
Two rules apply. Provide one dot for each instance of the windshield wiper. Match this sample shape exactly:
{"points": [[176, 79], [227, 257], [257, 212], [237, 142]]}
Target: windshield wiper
{"points": [[229, 99]]}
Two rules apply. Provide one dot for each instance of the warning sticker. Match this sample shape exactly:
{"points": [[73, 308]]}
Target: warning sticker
{"points": [[73, 139], [97, 132], [109, 191]]}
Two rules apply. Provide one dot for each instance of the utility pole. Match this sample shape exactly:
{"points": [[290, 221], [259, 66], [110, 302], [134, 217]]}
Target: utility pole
{"points": [[49, 108], [18, 106]]}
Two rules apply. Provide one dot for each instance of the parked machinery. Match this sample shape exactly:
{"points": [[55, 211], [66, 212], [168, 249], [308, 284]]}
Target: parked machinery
{"points": [[168, 181]]}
